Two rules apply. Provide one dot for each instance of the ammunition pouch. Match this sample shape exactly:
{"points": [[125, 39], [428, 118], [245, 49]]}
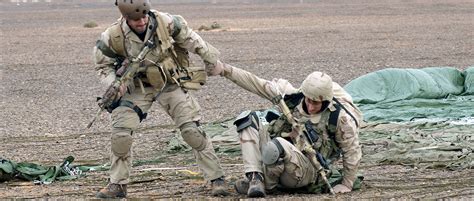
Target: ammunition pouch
{"points": [[155, 77], [196, 77], [191, 78]]}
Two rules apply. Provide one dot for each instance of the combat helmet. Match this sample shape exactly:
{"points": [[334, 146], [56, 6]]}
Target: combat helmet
{"points": [[318, 87], [133, 9]]}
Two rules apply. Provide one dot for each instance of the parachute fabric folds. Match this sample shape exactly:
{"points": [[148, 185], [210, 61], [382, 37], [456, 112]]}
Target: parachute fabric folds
{"points": [[417, 117], [395, 84], [397, 95], [469, 81]]}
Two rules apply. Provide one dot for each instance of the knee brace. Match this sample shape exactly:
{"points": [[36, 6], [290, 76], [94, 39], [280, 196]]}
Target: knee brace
{"points": [[193, 136], [122, 142], [272, 151], [246, 119]]}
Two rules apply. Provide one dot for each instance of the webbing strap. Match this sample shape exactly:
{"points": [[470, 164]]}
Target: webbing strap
{"points": [[347, 111], [117, 39], [135, 108], [333, 117], [163, 34]]}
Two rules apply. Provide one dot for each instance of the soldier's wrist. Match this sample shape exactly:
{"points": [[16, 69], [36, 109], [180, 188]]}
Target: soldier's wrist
{"points": [[227, 70]]}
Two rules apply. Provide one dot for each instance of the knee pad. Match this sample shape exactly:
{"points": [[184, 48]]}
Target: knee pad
{"points": [[272, 151], [246, 119], [193, 136], [122, 142]]}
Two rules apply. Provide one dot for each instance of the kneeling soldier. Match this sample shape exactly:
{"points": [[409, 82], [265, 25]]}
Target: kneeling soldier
{"points": [[320, 112]]}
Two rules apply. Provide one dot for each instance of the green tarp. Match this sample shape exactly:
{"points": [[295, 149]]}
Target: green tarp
{"points": [[395, 84], [469, 81], [418, 117], [399, 95]]}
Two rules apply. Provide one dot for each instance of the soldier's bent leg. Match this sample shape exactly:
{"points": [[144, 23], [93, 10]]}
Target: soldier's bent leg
{"points": [[292, 170], [248, 125], [184, 110], [202, 150], [250, 140], [124, 121]]}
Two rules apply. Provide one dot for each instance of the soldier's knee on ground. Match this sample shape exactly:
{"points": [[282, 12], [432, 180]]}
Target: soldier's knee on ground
{"points": [[121, 141], [193, 136], [272, 151]]}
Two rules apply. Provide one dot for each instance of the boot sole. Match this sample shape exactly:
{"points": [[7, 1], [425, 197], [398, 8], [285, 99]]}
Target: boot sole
{"points": [[220, 192], [254, 194], [101, 195]]}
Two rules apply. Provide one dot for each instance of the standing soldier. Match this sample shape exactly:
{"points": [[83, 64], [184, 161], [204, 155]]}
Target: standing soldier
{"points": [[319, 114], [163, 75]]}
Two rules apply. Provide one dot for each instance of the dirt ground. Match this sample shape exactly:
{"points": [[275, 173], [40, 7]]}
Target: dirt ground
{"points": [[48, 84]]}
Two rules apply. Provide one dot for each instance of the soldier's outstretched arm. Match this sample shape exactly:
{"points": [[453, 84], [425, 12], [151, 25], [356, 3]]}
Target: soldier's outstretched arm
{"points": [[347, 137], [265, 88], [186, 38]]}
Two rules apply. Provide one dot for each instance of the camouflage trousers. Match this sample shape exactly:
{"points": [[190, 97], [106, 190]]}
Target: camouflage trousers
{"points": [[294, 170], [180, 106]]}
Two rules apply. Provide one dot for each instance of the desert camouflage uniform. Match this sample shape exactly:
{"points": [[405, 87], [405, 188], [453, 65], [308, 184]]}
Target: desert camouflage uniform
{"points": [[295, 170], [180, 105]]}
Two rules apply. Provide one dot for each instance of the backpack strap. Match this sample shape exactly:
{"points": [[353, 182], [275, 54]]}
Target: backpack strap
{"points": [[165, 39], [117, 39], [332, 122], [334, 116], [163, 33], [116, 48]]}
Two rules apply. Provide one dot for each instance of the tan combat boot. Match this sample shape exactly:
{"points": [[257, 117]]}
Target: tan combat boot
{"points": [[256, 186], [113, 191], [242, 186], [218, 187]]}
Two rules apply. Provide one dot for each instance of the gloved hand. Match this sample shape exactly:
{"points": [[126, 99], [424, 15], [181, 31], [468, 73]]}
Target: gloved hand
{"points": [[113, 93], [123, 68], [340, 188], [122, 90]]}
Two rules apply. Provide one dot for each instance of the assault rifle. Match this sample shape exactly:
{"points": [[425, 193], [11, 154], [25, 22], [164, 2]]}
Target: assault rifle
{"points": [[110, 94], [313, 137], [303, 145]]}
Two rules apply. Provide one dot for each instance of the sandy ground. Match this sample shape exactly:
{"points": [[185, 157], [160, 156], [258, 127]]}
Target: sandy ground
{"points": [[48, 83]]}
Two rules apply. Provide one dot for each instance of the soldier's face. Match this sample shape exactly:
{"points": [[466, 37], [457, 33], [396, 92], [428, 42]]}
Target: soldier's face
{"points": [[313, 106], [138, 25]]}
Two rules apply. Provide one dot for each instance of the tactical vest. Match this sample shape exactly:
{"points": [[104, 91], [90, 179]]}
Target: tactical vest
{"points": [[325, 128], [173, 64]]}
